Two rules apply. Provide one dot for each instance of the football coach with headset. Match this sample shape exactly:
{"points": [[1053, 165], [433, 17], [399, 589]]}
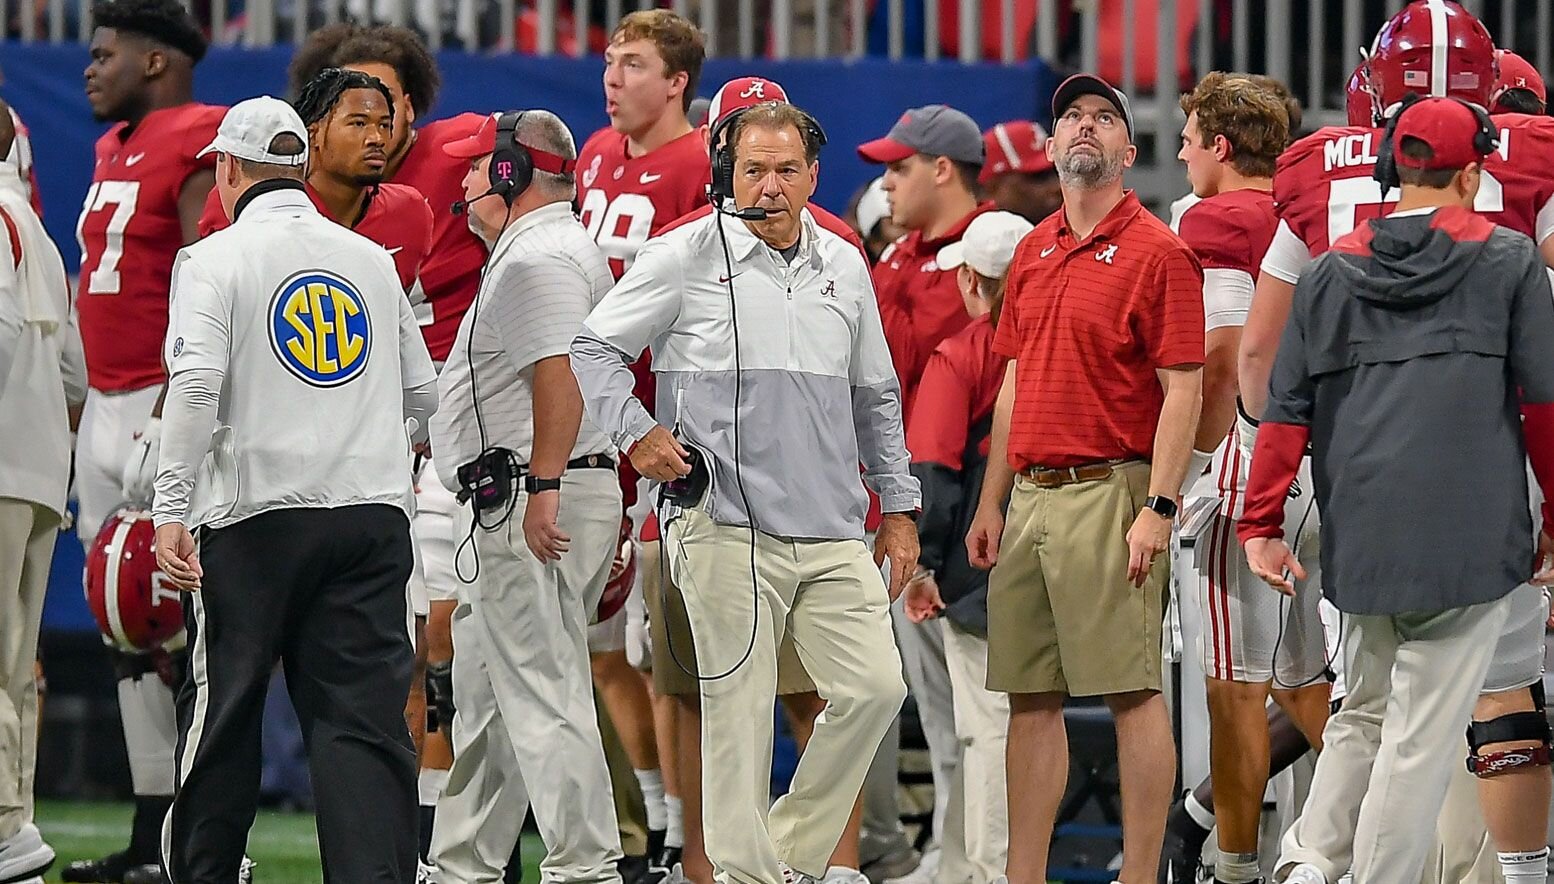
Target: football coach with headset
{"points": [[511, 438], [772, 368], [298, 382]]}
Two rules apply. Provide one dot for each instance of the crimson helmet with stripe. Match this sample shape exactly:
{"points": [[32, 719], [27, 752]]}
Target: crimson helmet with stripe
{"points": [[1358, 104], [136, 609], [1433, 48]]}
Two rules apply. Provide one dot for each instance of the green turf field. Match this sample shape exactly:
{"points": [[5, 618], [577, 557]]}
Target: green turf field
{"points": [[283, 844]]}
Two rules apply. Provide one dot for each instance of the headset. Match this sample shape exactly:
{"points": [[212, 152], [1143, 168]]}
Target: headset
{"points": [[722, 156], [513, 164], [1485, 139]]}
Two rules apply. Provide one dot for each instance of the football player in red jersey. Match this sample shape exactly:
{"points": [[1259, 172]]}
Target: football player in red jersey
{"points": [[350, 117], [1324, 187], [1253, 644], [147, 191], [636, 176], [1518, 88], [445, 288]]}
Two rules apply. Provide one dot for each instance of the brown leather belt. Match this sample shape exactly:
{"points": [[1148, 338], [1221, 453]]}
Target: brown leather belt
{"points": [[1055, 477]]}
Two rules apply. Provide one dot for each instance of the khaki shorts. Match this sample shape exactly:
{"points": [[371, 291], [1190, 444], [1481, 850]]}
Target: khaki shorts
{"points": [[670, 678], [1062, 616]]}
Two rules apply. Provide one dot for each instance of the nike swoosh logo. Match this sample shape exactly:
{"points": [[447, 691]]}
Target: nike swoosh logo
{"points": [[1049, 250], [396, 250], [132, 160], [648, 178], [724, 279]]}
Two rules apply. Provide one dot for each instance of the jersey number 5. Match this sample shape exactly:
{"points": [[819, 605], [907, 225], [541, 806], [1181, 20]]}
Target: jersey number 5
{"points": [[619, 226], [1351, 201], [121, 196]]}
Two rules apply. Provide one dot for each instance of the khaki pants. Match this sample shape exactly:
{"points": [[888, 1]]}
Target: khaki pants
{"points": [[1388, 753], [529, 686], [831, 596], [982, 726], [27, 533]]}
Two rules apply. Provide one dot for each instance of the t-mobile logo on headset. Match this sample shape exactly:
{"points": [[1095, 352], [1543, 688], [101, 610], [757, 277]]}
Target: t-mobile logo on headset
{"points": [[504, 169]]}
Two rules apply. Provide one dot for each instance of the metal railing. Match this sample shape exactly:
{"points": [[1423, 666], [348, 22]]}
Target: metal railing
{"points": [[1309, 44]]}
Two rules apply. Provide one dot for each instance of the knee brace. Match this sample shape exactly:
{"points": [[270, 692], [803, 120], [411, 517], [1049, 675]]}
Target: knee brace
{"points": [[1513, 728], [439, 696]]}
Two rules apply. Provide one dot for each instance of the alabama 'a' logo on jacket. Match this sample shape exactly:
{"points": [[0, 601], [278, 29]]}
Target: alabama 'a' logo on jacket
{"points": [[319, 328]]}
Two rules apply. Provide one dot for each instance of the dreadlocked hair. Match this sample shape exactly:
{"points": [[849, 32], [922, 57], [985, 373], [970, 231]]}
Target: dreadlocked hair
{"points": [[165, 21], [319, 95], [346, 43]]}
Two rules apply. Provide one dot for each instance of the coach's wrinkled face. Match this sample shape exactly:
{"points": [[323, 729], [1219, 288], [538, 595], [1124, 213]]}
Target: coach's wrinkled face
{"points": [[1090, 144], [772, 171]]}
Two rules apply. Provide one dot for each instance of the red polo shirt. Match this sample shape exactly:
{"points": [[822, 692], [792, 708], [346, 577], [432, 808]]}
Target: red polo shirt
{"points": [[1088, 323], [920, 305]]}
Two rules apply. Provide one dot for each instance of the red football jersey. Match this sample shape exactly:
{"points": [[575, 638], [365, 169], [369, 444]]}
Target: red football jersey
{"points": [[450, 274], [129, 232], [397, 218], [625, 199], [1323, 187], [1230, 230]]}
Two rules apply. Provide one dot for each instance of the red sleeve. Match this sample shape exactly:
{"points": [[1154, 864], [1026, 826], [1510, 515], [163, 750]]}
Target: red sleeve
{"points": [[1538, 431], [1275, 462], [214, 217], [37, 195], [14, 236], [1171, 321], [1218, 236], [941, 413]]}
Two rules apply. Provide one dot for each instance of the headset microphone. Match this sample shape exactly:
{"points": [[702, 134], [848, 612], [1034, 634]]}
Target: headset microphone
{"points": [[753, 213], [459, 207]]}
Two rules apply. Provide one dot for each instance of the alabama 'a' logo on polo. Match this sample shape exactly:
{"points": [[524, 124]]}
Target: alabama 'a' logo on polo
{"points": [[319, 328]]}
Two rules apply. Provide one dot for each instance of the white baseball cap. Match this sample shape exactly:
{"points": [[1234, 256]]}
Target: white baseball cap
{"points": [[988, 244], [873, 206], [250, 127]]}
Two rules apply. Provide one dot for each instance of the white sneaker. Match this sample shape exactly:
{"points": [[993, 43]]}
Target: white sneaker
{"points": [[676, 875], [925, 873], [790, 875], [24, 854], [245, 872], [844, 875], [1305, 873], [425, 873]]}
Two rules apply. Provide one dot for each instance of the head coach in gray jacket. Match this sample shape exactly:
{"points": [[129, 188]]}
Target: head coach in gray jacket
{"points": [[772, 368], [1416, 363]]}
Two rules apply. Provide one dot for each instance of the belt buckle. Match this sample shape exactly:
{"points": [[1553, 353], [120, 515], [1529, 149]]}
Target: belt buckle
{"points": [[1073, 475]]}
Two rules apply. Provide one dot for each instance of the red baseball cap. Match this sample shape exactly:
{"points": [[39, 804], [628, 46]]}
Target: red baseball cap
{"points": [[1015, 146], [1447, 125], [742, 92], [1517, 73], [484, 142]]}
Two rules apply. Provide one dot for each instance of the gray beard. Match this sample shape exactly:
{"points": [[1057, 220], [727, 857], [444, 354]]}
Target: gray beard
{"points": [[1089, 172]]}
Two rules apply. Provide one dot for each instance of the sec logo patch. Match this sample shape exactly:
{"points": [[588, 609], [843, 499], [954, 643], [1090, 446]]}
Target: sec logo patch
{"points": [[319, 328]]}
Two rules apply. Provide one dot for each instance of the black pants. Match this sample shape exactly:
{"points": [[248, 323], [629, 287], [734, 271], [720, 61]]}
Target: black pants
{"points": [[323, 591]]}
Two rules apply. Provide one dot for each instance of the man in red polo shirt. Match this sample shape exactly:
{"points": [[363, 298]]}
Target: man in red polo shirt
{"points": [[1103, 323]]}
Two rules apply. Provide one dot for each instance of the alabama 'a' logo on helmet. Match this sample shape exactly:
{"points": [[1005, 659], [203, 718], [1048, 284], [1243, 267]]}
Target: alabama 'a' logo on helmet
{"points": [[137, 610], [319, 328]]}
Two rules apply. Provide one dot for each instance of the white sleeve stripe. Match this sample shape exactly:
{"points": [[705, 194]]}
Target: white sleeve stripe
{"points": [[1227, 296], [1543, 227], [1287, 255]]}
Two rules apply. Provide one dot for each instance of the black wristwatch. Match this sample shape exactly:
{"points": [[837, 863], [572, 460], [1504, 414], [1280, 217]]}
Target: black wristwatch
{"points": [[534, 484], [910, 514], [1163, 506]]}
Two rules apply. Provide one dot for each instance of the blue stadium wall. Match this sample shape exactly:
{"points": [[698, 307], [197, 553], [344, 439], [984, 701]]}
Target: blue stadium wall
{"points": [[854, 101]]}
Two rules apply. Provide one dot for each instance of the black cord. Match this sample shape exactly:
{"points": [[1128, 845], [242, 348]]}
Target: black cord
{"points": [[1327, 666], [739, 482], [480, 421]]}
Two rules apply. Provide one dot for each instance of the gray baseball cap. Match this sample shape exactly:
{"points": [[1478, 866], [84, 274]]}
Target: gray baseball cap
{"points": [[1089, 84], [935, 129]]}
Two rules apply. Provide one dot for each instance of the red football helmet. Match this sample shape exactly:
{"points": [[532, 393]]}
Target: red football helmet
{"points": [[136, 609], [1358, 103], [623, 573], [1433, 48]]}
